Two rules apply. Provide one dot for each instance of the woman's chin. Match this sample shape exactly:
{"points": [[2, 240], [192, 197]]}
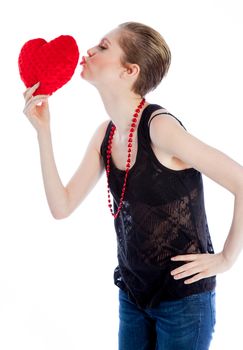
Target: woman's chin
{"points": [[82, 74]]}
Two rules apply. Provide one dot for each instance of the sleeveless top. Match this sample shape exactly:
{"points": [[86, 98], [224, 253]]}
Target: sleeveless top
{"points": [[163, 215]]}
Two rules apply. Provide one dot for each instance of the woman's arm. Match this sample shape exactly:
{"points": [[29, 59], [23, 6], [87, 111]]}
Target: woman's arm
{"points": [[168, 136], [62, 199]]}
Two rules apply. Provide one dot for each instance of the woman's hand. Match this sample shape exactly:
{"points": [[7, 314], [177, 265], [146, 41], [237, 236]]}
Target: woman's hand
{"points": [[200, 266], [36, 108]]}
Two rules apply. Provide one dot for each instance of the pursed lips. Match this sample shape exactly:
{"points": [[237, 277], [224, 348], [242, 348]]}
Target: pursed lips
{"points": [[83, 60]]}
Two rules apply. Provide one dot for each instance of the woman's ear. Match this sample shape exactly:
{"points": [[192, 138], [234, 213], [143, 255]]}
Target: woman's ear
{"points": [[131, 70]]}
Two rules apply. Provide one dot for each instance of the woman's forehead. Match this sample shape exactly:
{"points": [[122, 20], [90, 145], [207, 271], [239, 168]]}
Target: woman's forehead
{"points": [[113, 35]]}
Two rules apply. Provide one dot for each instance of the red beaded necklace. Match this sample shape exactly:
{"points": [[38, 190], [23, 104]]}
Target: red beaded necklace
{"points": [[128, 164]]}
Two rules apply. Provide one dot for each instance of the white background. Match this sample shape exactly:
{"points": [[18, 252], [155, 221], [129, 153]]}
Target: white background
{"points": [[56, 277]]}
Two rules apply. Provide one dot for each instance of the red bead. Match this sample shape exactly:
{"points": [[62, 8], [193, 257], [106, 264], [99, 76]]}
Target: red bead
{"points": [[129, 150]]}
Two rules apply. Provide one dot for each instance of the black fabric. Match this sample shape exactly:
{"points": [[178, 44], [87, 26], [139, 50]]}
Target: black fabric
{"points": [[163, 215]]}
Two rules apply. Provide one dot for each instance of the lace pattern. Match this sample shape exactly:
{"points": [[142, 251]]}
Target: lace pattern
{"points": [[163, 215]]}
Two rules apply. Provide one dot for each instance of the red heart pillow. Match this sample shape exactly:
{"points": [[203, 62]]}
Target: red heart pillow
{"points": [[50, 63]]}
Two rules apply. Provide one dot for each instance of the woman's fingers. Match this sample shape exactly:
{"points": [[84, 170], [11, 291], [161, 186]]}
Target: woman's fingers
{"points": [[29, 92], [36, 108], [199, 266], [34, 101]]}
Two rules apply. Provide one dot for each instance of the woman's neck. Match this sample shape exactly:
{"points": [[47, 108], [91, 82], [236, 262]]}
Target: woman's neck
{"points": [[120, 109]]}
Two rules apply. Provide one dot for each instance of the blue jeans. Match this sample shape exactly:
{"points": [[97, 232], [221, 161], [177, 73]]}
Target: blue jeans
{"points": [[185, 324]]}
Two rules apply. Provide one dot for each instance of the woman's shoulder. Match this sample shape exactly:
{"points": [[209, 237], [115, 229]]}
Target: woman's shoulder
{"points": [[103, 127], [100, 133], [165, 115], [98, 136]]}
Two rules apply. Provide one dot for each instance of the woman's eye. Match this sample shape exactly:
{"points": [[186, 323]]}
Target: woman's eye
{"points": [[102, 47]]}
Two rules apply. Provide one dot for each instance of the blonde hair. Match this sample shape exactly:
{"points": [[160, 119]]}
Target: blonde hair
{"points": [[146, 47]]}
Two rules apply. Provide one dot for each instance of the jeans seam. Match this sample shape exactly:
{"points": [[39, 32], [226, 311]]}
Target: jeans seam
{"points": [[199, 326]]}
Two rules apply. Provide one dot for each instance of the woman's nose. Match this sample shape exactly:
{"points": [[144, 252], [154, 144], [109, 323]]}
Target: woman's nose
{"points": [[90, 52]]}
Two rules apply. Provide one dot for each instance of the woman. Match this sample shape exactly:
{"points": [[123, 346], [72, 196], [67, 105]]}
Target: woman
{"points": [[167, 266]]}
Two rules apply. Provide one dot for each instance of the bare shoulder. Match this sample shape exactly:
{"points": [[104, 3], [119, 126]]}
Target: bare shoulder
{"points": [[164, 126], [159, 112], [99, 134]]}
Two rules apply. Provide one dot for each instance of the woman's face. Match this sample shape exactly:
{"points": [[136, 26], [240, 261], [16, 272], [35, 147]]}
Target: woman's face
{"points": [[103, 64]]}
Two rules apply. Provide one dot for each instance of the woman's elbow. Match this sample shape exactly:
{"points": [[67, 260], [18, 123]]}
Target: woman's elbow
{"points": [[60, 214]]}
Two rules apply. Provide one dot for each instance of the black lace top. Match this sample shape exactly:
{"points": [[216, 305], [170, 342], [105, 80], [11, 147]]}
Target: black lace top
{"points": [[163, 215]]}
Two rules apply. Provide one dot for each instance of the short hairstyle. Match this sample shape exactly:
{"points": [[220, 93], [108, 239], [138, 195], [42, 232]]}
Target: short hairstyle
{"points": [[146, 47]]}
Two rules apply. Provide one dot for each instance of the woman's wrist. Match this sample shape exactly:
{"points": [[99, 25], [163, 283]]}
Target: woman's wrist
{"points": [[43, 131]]}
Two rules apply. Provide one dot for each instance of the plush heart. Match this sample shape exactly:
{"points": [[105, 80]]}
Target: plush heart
{"points": [[50, 63]]}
